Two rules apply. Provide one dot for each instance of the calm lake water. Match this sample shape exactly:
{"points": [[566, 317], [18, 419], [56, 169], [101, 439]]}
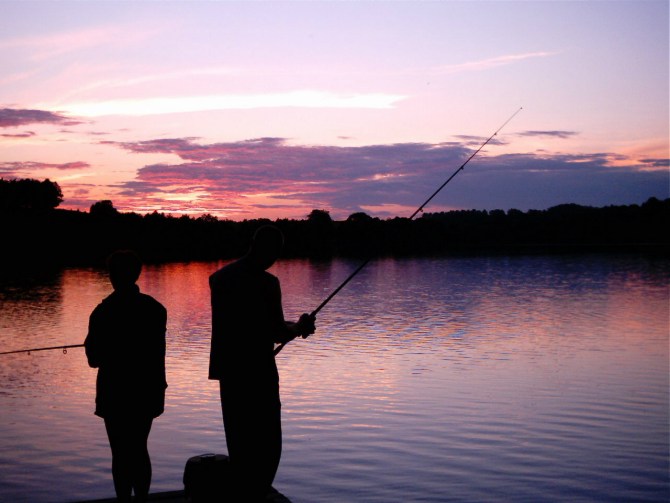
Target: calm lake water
{"points": [[429, 380]]}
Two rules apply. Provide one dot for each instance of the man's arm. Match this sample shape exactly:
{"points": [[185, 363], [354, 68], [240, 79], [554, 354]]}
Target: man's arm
{"points": [[304, 327], [289, 330], [93, 341]]}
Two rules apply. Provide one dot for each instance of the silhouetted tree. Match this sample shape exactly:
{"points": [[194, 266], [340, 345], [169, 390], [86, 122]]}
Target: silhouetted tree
{"points": [[103, 208], [320, 218], [361, 235], [29, 194], [320, 234], [208, 218], [359, 217], [68, 237]]}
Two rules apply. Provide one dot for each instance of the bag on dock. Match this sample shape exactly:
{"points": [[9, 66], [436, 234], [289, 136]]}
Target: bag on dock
{"points": [[206, 478]]}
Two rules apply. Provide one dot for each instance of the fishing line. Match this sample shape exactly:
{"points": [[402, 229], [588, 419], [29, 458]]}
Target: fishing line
{"points": [[64, 348], [416, 212]]}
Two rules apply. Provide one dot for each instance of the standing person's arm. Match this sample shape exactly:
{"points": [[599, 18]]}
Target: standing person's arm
{"points": [[156, 377], [289, 330], [304, 327], [162, 346], [94, 343]]}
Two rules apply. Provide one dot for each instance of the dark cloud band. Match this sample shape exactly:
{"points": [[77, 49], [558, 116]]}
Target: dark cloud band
{"points": [[346, 179]]}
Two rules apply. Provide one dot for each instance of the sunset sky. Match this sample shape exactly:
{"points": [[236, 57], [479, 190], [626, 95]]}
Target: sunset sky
{"points": [[272, 109]]}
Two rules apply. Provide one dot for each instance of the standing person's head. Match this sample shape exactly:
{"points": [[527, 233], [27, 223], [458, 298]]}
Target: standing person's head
{"points": [[124, 267], [266, 246]]}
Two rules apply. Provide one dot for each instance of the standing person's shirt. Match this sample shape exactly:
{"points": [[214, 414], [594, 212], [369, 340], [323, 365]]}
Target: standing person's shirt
{"points": [[247, 319], [126, 342]]}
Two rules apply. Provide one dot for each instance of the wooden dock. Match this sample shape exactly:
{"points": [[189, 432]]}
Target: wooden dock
{"points": [[180, 497], [164, 497]]}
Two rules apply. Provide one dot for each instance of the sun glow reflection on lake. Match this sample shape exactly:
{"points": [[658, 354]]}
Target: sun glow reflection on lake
{"points": [[461, 379]]}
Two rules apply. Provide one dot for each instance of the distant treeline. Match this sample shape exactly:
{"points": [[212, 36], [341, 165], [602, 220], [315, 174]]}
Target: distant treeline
{"points": [[47, 235]]}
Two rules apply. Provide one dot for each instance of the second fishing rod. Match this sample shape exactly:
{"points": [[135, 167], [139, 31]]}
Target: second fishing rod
{"points": [[411, 217]]}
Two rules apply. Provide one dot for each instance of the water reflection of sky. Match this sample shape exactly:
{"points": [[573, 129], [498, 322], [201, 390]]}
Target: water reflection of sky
{"points": [[462, 379]]}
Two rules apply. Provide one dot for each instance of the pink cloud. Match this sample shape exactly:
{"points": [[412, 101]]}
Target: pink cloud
{"points": [[31, 166], [485, 64], [51, 45]]}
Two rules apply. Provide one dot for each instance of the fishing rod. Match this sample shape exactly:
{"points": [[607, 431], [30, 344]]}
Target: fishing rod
{"points": [[31, 350], [416, 212]]}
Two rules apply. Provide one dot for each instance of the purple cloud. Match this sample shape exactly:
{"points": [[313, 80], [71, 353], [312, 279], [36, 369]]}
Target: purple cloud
{"points": [[554, 134], [17, 167], [350, 179], [15, 117], [26, 134], [657, 163]]}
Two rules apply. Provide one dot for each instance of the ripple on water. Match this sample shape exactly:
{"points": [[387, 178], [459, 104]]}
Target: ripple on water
{"points": [[474, 379]]}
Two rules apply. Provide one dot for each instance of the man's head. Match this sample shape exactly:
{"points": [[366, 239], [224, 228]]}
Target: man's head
{"points": [[266, 246], [124, 268]]}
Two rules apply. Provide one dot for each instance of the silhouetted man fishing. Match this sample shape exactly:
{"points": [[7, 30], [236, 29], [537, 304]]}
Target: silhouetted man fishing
{"points": [[247, 320], [126, 342]]}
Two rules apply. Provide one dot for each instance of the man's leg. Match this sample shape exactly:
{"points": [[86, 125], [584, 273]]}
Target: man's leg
{"points": [[121, 471], [141, 462], [253, 436]]}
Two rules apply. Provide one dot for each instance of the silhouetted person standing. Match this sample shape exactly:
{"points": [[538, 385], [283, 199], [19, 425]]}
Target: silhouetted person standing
{"points": [[126, 342], [247, 320]]}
